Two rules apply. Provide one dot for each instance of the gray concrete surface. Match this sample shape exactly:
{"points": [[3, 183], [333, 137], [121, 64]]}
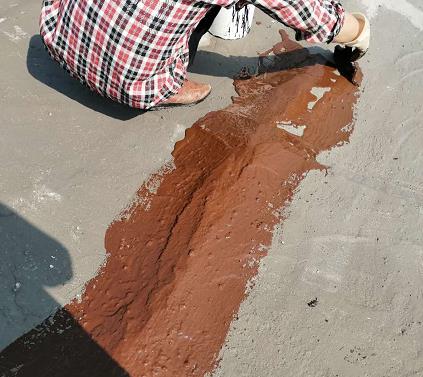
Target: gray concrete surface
{"points": [[353, 239], [71, 161]]}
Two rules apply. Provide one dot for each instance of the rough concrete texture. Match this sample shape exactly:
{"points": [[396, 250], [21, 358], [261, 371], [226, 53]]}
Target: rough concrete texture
{"points": [[354, 243]]}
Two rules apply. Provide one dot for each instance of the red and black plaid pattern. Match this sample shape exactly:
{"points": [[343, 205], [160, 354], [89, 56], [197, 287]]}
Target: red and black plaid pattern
{"points": [[136, 51], [314, 20]]}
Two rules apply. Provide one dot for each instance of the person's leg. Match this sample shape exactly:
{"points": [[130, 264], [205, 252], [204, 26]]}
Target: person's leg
{"points": [[193, 92], [190, 93], [201, 29]]}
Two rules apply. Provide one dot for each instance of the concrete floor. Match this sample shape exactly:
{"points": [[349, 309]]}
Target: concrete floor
{"points": [[71, 161]]}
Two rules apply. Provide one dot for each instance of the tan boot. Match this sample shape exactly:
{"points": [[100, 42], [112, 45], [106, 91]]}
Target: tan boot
{"points": [[190, 93]]}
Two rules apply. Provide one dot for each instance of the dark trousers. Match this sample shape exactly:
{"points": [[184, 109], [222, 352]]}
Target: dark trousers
{"points": [[201, 29]]}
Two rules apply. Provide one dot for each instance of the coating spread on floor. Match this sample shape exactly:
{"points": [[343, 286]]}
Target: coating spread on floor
{"points": [[181, 258]]}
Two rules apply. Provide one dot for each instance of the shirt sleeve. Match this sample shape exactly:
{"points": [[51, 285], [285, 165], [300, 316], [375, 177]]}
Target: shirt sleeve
{"points": [[313, 20]]}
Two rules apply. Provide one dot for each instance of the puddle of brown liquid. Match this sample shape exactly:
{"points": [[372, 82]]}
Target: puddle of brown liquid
{"points": [[181, 258]]}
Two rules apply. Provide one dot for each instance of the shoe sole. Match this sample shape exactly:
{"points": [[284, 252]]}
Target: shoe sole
{"points": [[172, 105]]}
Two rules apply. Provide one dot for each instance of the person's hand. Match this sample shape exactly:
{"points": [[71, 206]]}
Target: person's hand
{"points": [[354, 35], [360, 45]]}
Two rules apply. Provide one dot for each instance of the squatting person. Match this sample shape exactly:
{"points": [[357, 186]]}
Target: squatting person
{"points": [[137, 51]]}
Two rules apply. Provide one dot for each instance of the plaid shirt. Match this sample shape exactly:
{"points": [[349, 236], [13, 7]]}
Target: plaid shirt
{"points": [[136, 51]]}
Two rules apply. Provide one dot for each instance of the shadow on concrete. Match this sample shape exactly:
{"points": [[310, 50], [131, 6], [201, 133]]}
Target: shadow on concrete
{"points": [[44, 69], [30, 262], [59, 346], [214, 64]]}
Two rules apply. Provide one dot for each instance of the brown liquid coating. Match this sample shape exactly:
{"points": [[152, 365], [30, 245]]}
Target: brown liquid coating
{"points": [[180, 259]]}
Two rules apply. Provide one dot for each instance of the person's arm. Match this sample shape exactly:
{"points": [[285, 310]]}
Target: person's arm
{"points": [[315, 21], [322, 21]]}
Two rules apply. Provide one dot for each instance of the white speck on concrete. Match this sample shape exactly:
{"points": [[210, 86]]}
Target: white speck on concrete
{"points": [[43, 193], [40, 195], [17, 35], [291, 128], [318, 93], [178, 133]]}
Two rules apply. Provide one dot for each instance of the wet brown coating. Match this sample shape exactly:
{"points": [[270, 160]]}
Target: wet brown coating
{"points": [[180, 259]]}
